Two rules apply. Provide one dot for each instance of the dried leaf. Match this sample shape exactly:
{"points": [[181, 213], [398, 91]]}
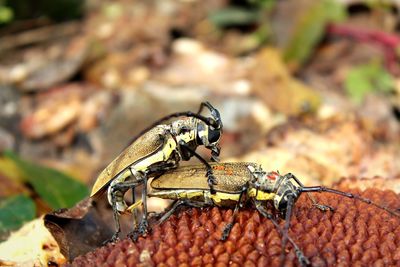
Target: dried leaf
{"points": [[82, 222], [31, 245]]}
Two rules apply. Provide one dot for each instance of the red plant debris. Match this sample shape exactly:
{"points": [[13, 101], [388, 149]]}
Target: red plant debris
{"points": [[389, 42], [355, 234]]}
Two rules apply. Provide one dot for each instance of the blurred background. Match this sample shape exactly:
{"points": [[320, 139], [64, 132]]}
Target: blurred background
{"points": [[310, 87]]}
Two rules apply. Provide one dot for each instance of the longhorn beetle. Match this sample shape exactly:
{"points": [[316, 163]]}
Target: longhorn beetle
{"points": [[158, 148], [236, 184]]}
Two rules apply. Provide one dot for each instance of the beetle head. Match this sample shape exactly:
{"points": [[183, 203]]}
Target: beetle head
{"points": [[287, 192], [209, 137], [209, 132]]}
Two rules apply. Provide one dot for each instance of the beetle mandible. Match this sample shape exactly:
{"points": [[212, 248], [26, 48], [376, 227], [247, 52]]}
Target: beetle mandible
{"points": [[158, 148]]}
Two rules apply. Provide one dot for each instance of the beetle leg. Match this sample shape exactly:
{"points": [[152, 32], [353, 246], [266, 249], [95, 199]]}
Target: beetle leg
{"points": [[310, 196], [143, 226], [228, 227], [175, 205], [134, 213], [117, 191], [288, 216], [167, 165], [215, 150], [210, 177], [303, 260], [171, 209], [319, 206], [114, 192]]}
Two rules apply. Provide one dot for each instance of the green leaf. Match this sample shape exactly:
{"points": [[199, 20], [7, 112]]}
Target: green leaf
{"points": [[14, 212], [310, 29], [370, 77], [6, 14], [234, 16], [54, 187], [357, 84]]}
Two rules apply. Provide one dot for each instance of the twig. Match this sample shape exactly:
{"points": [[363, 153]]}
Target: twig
{"points": [[390, 43]]}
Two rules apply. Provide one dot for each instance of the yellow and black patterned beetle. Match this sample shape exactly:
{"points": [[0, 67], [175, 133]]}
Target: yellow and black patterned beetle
{"points": [[237, 183], [159, 148]]}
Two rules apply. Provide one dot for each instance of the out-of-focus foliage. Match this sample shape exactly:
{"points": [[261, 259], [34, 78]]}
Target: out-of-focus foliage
{"points": [[367, 78], [234, 16], [254, 12], [6, 13], [14, 212], [310, 29], [57, 189], [278, 89], [56, 10]]}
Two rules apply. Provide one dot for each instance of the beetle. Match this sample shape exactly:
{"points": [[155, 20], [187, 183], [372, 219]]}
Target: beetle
{"points": [[158, 148], [236, 184]]}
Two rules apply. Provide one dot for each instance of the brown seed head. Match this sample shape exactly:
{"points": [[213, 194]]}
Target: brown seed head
{"points": [[356, 234]]}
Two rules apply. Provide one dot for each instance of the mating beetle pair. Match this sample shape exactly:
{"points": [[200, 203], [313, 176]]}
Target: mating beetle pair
{"points": [[230, 185]]}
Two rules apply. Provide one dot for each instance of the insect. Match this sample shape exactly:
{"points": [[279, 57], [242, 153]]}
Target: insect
{"points": [[158, 148], [236, 184]]}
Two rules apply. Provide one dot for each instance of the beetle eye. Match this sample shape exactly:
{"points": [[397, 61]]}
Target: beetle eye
{"points": [[283, 204], [213, 135]]}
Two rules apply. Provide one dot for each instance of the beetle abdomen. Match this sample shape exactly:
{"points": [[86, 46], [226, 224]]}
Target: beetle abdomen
{"points": [[220, 199], [230, 177]]}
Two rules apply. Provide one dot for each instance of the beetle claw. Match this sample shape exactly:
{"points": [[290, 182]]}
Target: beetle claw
{"points": [[303, 260], [226, 231], [142, 230], [113, 239], [324, 207], [214, 158], [134, 235]]}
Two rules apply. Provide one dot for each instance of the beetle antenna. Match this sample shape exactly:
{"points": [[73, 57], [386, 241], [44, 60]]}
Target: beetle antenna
{"points": [[214, 113], [321, 189]]}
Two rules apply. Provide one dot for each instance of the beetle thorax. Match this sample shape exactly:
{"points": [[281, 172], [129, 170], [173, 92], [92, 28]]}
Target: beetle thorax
{"points": [[184, 130], [264, 181]]}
